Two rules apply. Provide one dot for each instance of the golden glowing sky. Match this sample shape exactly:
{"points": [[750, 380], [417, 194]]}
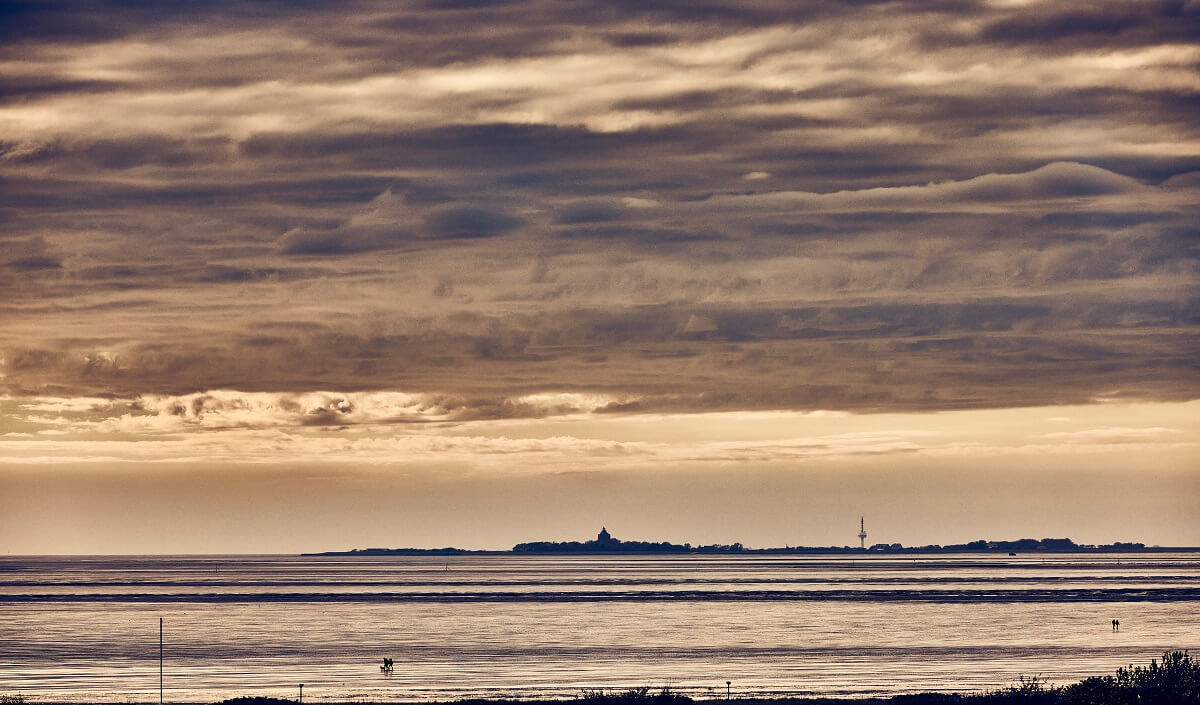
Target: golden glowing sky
{"points": [[290, 276]]}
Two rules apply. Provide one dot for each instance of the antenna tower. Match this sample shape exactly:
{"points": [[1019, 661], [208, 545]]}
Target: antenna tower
{"points": [[862, 532]]}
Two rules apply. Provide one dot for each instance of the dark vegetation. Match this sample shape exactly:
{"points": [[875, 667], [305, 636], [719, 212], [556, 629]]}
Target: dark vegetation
{"points": [[1174, 681]]}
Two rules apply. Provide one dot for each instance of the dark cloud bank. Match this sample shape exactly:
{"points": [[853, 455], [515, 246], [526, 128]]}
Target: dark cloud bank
{"points": [[774, 215]]}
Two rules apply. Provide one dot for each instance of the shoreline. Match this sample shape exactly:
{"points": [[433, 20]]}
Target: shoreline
{"points": [[855, 552], [653, 697], [1176, 678], [907, 699], [904, 699]]}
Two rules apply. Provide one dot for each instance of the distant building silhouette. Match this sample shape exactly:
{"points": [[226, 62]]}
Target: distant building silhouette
{"points": [[604, 538]]}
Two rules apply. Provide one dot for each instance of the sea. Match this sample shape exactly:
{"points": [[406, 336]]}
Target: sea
{"points": [[87, 629]]}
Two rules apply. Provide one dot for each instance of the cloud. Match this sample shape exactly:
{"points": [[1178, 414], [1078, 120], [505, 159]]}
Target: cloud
{"points": [[679, 206], [232, 427], [592, 211], [459, 222], [1047, 184], [62, 404], [35, 263], [232, 409], [31, 255], [1113, 434], [393, 221], [123, 154], [1053, 181], [342, 240], [1095, 24]]}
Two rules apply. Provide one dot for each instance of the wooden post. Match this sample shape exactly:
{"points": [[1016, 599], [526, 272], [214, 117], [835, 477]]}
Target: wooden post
{"points": [[728, 692], [160, 667], [301, 694]]}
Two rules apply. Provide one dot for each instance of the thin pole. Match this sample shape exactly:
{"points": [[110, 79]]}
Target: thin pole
{"points": [[301, 693], [727, 691], [160, 669]]}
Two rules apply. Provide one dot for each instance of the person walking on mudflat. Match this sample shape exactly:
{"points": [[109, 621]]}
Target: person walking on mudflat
{"points": [[1116, 625]]}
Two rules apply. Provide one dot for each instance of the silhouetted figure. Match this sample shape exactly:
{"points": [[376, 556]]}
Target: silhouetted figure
{"points": [[388, 665], [1116, 625]]}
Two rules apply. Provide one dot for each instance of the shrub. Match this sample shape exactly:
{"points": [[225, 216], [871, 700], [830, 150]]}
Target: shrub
{"points": [[1175, 681]]}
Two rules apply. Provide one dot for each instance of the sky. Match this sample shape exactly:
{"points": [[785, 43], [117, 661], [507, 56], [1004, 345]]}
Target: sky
{"points": [[294, 276]]}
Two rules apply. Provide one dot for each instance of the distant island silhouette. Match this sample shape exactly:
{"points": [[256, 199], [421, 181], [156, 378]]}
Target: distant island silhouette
{"points": [[605, 543]]}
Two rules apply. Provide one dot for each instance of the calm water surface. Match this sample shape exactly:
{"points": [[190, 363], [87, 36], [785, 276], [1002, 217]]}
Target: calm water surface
{"points": [[76, 629]]}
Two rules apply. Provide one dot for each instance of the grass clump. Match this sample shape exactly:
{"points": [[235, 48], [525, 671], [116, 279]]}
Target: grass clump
{"points": [[633, 695], [1034, 690]]}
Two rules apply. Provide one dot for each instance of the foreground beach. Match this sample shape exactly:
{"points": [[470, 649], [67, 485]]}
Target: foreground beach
{"points": [[1173, 680]]}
